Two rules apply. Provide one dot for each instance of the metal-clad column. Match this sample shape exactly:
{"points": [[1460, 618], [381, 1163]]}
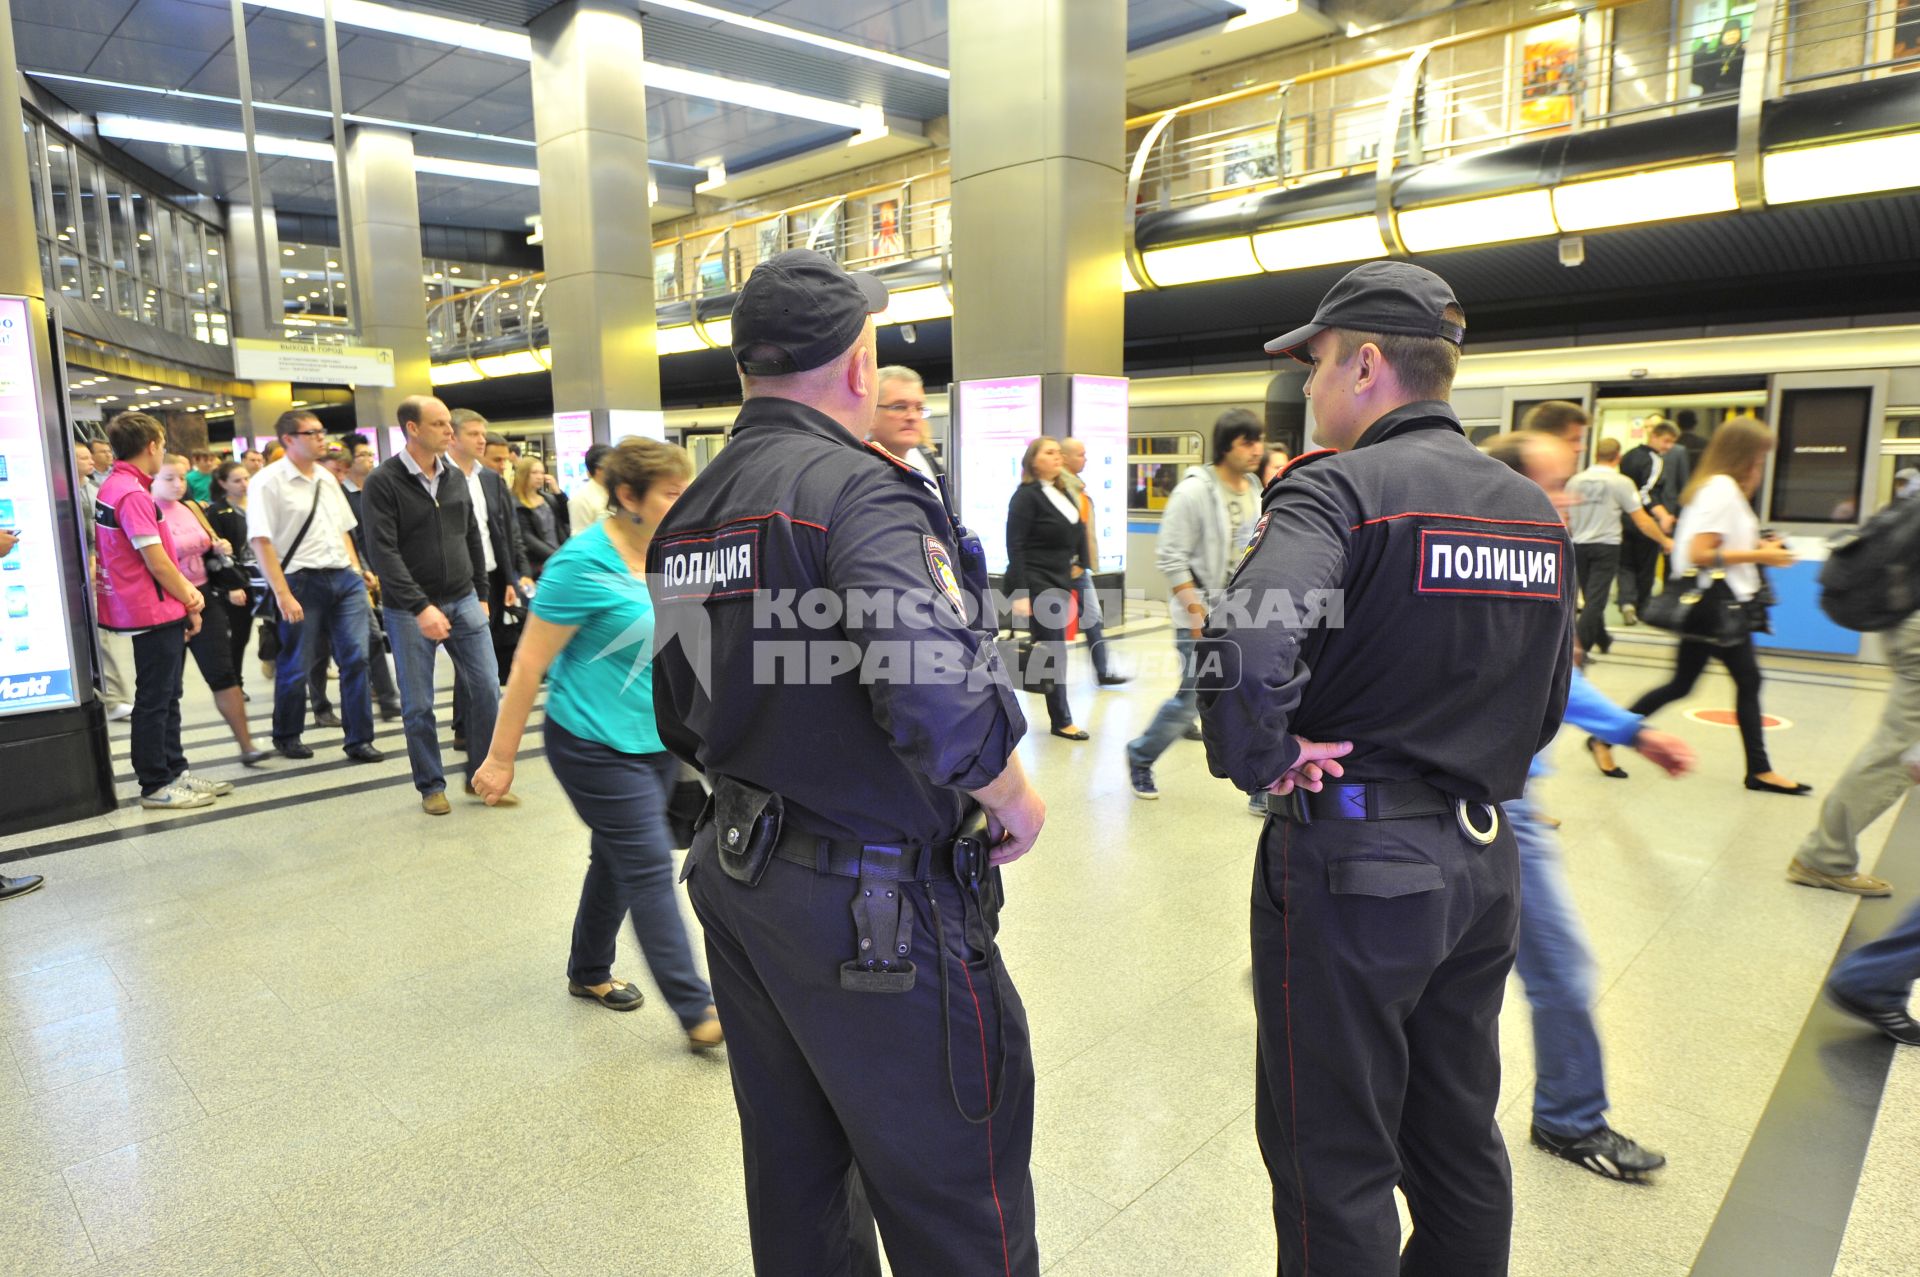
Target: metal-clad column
{"points": [[590, 124], [384, 194], [251, 292], [19, 254], [1038, 116]]}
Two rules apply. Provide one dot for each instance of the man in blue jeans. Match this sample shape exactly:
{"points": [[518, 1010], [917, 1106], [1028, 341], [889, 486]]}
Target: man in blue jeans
{"points": [[1874, 982], [1204, 530], [302, 533], [424, 541], [1553, 959]]}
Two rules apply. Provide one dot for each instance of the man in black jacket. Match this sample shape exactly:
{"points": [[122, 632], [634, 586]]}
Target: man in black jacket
{"points": [[426, 549], [509, 575], [1660, 471]]}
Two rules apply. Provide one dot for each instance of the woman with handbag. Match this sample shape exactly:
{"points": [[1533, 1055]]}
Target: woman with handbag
{"points": [[206, 560], [1044, 535], [227, 515], [1715, 597]]}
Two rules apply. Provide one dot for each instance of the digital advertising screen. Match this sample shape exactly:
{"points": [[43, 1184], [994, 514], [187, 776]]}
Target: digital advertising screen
{"points": [[992, 423], [572, 436], [396, 440], [627, 423], [1099, 422], [36, 657]]}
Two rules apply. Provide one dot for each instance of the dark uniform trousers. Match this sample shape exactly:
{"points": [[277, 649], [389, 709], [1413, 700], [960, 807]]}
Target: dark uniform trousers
{"points": [[1639, 566], [1380, 957], [829, 1082]]}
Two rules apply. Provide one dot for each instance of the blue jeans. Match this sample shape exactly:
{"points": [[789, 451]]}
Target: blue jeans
{"points": [[1557, 968], [623, 799], [1092, 623], [335, 603], [1881, 974], [1176, 714], [472, 652]]}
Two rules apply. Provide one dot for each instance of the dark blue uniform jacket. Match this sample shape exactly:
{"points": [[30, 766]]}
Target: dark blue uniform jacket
{"points": [[795, 504], [1451, 661]]}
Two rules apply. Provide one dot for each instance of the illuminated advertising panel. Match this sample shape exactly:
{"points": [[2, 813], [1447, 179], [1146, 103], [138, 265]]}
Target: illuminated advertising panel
{"points": [[36, 658], [1100, 424], [572, 436], [993, 421]]}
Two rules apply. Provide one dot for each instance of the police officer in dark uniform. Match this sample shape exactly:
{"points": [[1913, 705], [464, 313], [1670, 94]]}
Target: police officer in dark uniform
{"points": [[824, 654], [1385, 895]]}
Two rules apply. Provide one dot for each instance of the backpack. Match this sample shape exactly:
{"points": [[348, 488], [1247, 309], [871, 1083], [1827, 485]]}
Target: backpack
{"points": [[1871, 580]]}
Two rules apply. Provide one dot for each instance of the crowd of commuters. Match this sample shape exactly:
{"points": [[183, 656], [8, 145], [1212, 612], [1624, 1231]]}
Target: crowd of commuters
{"points": [[454, 543]]}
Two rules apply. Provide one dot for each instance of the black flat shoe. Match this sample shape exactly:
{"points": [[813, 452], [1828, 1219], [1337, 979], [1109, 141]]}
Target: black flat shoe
{"points": [[294, 749], [364, 754], [1768, 787], [1113, 680], [1594, 747], [1075, 734], [621, 997]]}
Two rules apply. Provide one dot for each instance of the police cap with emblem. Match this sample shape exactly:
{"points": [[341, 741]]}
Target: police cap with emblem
{"points": [[1378, 297], [804, 306]]}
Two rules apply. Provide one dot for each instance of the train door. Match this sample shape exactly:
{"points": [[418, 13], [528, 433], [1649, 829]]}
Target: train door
{"points": [[1518, 401]]}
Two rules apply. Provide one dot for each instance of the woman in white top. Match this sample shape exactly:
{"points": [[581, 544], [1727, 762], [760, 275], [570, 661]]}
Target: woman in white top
{"points": [[1718, 531]]}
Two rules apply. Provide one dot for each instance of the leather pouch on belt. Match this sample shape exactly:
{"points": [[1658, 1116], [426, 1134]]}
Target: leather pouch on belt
{"points": [[882, 928], [746, 828]]}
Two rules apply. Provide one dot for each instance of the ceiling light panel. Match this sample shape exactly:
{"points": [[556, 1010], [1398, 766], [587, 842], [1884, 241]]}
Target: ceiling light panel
{"points": [[1194, 263], [1495, 220], [1692, 190], [1349, 239], [698, 10], [1844, 168]]}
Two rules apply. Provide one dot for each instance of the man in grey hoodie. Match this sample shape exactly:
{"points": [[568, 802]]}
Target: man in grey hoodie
{"points": [[1203, 531]]}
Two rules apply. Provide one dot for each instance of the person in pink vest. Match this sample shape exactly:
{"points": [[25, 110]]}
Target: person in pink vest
{"points": [[193, 539], [140, 592]]}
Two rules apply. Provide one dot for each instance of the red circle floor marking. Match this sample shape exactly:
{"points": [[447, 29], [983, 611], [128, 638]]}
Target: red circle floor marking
{"points": [[1727, 718]]}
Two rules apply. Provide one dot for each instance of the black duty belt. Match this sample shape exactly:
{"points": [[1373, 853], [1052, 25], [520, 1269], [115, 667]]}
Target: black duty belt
{"points": [[1384, 800], [897, 862]]}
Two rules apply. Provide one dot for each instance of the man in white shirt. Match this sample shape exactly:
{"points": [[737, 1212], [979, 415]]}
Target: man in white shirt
{"points": [[302, 533], [1601, 496], [509, 578], [899, 418], [587, 504]]}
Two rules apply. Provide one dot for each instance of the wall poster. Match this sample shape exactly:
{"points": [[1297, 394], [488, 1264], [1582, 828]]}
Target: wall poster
{"points": [[1549, 74]]}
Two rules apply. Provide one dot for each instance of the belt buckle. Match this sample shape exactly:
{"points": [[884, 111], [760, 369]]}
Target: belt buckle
{"points": [[1483, 838]]}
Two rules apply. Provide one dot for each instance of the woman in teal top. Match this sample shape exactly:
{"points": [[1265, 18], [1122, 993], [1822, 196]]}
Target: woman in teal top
{"points": [[590, 635]]}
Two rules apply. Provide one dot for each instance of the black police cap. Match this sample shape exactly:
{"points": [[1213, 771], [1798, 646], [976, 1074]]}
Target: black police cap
{"points": [[803, 305], [1379, 297]]}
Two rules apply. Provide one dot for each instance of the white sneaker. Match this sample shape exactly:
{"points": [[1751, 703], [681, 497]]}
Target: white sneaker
{"points": [[119, 713], [211, 788], [175, 798]]}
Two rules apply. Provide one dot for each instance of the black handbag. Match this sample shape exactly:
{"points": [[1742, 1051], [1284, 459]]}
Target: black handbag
{"points": [[1706, 613], [223, 574]]}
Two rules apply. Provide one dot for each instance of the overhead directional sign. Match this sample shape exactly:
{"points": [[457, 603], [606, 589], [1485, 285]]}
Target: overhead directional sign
{"points": [[299, 361]]}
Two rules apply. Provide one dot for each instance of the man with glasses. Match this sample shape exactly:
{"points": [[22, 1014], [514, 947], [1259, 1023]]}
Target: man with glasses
{"points": [[899, 420], [302, 532]]}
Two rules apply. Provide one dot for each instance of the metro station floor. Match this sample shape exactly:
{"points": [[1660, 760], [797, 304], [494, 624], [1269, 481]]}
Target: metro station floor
{"points": [[312, 1030]]}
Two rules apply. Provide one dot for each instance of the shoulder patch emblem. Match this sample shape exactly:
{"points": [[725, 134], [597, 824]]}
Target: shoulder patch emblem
{"points": [[940, 572]]}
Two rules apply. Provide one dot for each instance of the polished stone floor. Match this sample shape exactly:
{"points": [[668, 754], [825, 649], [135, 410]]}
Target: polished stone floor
{"points": [[323, 1033]]}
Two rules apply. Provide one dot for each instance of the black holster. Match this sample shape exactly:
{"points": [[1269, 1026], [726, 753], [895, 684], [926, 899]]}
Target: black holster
{"points": [[746, 825]]}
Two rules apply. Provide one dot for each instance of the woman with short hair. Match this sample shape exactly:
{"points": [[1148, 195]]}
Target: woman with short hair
{"points": [[590, 633]]}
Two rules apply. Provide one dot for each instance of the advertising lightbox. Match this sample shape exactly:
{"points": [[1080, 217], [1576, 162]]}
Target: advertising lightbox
{"points": [[1099, 422], [992, 423], [572, 436], [36, 655]]}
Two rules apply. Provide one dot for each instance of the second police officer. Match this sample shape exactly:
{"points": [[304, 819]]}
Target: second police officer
{"points": [[1385, 901], [818, 659]]}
